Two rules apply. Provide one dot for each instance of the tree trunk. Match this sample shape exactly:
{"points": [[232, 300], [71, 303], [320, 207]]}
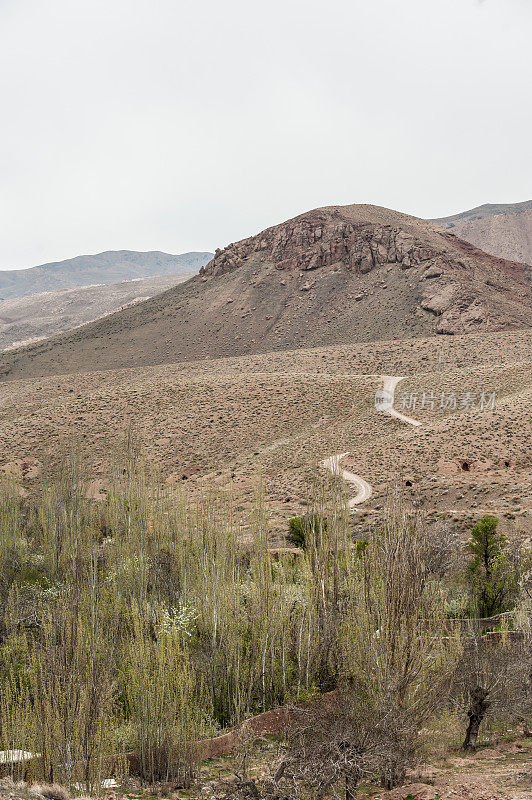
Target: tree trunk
{"points": [[393, 775], [477, 711], [351, 784]]}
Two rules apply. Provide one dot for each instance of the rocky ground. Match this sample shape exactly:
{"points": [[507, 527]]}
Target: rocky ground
{"points": [[337, 275]]}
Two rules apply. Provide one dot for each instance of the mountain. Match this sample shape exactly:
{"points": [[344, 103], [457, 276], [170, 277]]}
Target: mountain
{"points": [[335, 275], [28, 319], [499, 229], [113, 266]]}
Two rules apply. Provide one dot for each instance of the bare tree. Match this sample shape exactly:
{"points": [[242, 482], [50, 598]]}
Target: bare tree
{"points": [[394, 656], [327, 751], [444, 547], [494, 680]]}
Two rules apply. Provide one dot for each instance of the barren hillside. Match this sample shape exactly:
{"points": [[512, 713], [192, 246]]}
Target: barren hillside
{"points": [[27, 319], [221, 422], [113, 266], [502, 230], [332, 276]]}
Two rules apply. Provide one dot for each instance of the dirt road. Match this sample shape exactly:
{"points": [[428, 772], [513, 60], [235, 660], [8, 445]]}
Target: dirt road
{"points": [[384, 400], [364, 489]]}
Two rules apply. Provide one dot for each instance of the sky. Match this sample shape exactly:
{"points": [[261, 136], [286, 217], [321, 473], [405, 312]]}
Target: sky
{"points": [[183, 125]]}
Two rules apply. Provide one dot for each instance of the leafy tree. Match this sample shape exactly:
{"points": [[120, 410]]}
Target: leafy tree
{"points": [[492, 572]]}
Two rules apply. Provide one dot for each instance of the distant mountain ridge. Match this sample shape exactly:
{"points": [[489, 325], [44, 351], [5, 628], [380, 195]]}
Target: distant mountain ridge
{"points": [[501, 229], [109, 267], [27, 319], [483, 211]]}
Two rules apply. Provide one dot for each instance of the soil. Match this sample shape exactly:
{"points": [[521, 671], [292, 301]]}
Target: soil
{"points": [[502, 230], [222, 423]]}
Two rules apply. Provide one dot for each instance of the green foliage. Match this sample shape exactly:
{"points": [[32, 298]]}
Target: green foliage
{"points": [[361, 546], [144, 622], [160, 694], [302, 529], [147, 623], [297, 531], [493, 574]]}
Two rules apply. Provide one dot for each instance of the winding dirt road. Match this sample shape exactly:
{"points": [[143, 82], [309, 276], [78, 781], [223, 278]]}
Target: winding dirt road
{"points": [[364, 489], [384, 400]]}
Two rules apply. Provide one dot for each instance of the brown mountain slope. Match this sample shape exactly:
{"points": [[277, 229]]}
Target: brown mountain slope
{"points": [[221, 422], [36, 316], [502, 230], [331, 276]]}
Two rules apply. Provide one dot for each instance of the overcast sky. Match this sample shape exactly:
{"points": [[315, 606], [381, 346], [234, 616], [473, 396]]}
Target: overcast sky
{"points": [[186, 124]]}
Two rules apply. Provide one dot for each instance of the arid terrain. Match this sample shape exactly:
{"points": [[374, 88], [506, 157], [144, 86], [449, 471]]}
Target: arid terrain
{"points": [[113, 266], [502, 230], [37, 316], [266, 476], [338, 275], [350, 353], [227, 421], [331, 276]]}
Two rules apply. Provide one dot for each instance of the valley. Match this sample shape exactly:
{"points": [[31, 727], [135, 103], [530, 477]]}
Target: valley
{"points": [[266, 474]]}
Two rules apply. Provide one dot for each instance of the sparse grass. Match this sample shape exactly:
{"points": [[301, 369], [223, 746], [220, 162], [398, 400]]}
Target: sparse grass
{"points": [[223, 420]]}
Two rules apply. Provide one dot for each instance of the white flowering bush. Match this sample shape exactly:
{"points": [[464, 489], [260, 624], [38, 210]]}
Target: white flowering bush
{"points": [[179, 620]]}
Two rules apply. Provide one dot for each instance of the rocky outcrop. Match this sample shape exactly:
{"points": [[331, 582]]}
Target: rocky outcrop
{"points": [[453, 275], [321, 239]]}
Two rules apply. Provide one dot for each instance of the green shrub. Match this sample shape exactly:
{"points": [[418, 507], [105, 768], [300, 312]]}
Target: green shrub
{"points": [[301, 528]]}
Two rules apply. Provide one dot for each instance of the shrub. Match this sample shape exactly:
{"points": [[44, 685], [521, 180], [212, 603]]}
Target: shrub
{"points": [[301, 528]]}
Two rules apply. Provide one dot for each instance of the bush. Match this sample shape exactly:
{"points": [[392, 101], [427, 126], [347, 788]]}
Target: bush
{"points": [[300, 528]]}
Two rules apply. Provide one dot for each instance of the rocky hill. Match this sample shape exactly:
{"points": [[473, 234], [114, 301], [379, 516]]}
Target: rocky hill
{"points": [[502, 230], [335, 275], [111, 267]]}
